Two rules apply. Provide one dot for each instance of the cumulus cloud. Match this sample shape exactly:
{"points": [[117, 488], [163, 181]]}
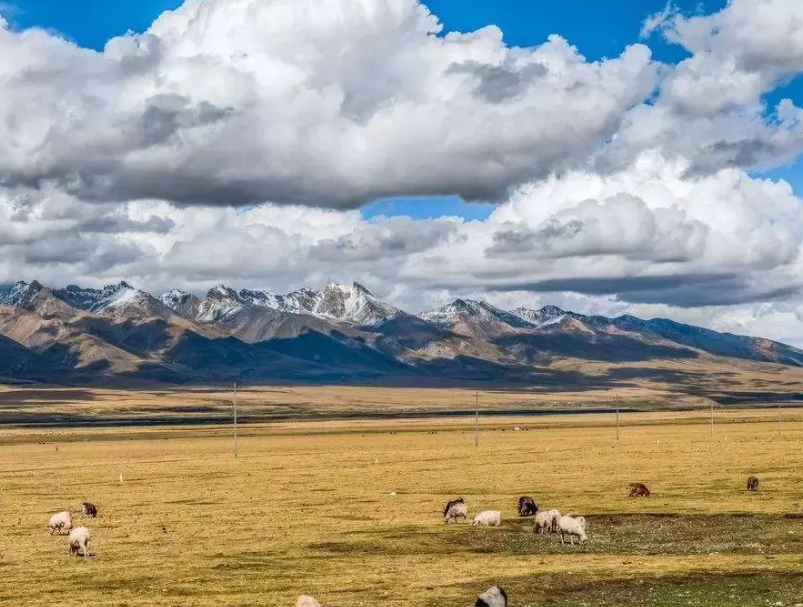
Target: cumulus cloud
{"points": [[709, 110], [329, 103], [738, 53], [621, 225]]}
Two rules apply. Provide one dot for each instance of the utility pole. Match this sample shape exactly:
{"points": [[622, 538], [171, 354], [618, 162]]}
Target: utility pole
{"points": [[476, 418], [617, 423], [712, 419], [779, 419], [235, 419]]}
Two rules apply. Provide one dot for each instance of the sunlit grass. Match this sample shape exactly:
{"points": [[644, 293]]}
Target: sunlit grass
{"points": [[306, 508]]}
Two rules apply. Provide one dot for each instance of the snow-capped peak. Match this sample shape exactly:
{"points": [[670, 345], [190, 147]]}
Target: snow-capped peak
{"points": [[345, 303], [96, 300], [174, 297], [115, 300], [351, 303], [461, 308], [20, 294], [181, 302], [221, 292]]}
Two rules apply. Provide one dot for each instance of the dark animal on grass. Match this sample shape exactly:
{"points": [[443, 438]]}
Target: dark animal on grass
{"points": [[527, 506], [88, 510], [495, 596], [639, 490], [454, 510], [752, 484]]}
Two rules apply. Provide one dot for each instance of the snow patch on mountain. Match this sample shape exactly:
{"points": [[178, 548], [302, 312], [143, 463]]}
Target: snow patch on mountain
{"points": [[543, 317]]}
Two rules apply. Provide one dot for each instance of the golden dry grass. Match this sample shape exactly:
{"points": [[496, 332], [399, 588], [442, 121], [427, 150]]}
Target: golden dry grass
{"points": [[306, 508]]}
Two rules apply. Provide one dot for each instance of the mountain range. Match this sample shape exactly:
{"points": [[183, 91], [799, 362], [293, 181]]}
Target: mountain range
{"points": [[341, 333]]}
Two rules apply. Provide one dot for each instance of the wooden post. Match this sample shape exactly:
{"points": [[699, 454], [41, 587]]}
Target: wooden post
{"points": [[235, 419], [476, 418]]}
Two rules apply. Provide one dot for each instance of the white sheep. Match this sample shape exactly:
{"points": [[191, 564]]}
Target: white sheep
{"points": [[489, 518], [554, 517], [495, 596], [454, 510], [61, 521], [307, 601], [573, 527], [543, 523], [79, 541]]}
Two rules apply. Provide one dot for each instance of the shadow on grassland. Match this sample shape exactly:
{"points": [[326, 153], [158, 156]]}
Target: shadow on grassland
{"points": [[752, 589]]}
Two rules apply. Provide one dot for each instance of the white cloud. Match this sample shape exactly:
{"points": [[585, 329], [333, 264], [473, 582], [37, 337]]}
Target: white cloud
{"points": [[738, 54], [659, 21], [329, 103]]}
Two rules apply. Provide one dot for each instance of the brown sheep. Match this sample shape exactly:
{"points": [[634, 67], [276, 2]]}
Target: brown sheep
{"points": [[639, 490], [527, 506]]}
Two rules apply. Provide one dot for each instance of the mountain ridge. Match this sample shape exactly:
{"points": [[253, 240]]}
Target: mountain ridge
{"points": [[339, 333]]}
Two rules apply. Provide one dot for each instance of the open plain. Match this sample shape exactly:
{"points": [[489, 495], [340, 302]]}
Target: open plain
{"points": [[306, 507]]}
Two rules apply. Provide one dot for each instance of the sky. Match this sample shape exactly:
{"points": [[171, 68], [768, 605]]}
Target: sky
{"points": [[608, 157]]}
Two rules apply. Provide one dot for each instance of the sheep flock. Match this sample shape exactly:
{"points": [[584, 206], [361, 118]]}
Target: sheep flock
{"points": [[545, 522]]}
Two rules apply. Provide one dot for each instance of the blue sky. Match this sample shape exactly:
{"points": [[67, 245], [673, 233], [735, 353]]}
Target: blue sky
{"points": [[599, 28]]}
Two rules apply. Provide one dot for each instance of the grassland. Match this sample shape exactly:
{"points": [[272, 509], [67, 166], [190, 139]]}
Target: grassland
{"points": [[204, 405], [306, 507]]}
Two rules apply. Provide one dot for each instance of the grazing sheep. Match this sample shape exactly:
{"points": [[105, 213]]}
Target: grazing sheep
{"points": [[554, 517], [60, 522], [88, 510], [307, 601], [639, 490], [454, 510], [752, 484], [495, 596], [79, 541], [572, 527], [527, 506], [543, 523], [488, 518]]}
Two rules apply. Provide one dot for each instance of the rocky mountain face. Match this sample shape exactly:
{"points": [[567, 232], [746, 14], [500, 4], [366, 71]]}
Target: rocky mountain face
{"points": [[339, 333]]}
